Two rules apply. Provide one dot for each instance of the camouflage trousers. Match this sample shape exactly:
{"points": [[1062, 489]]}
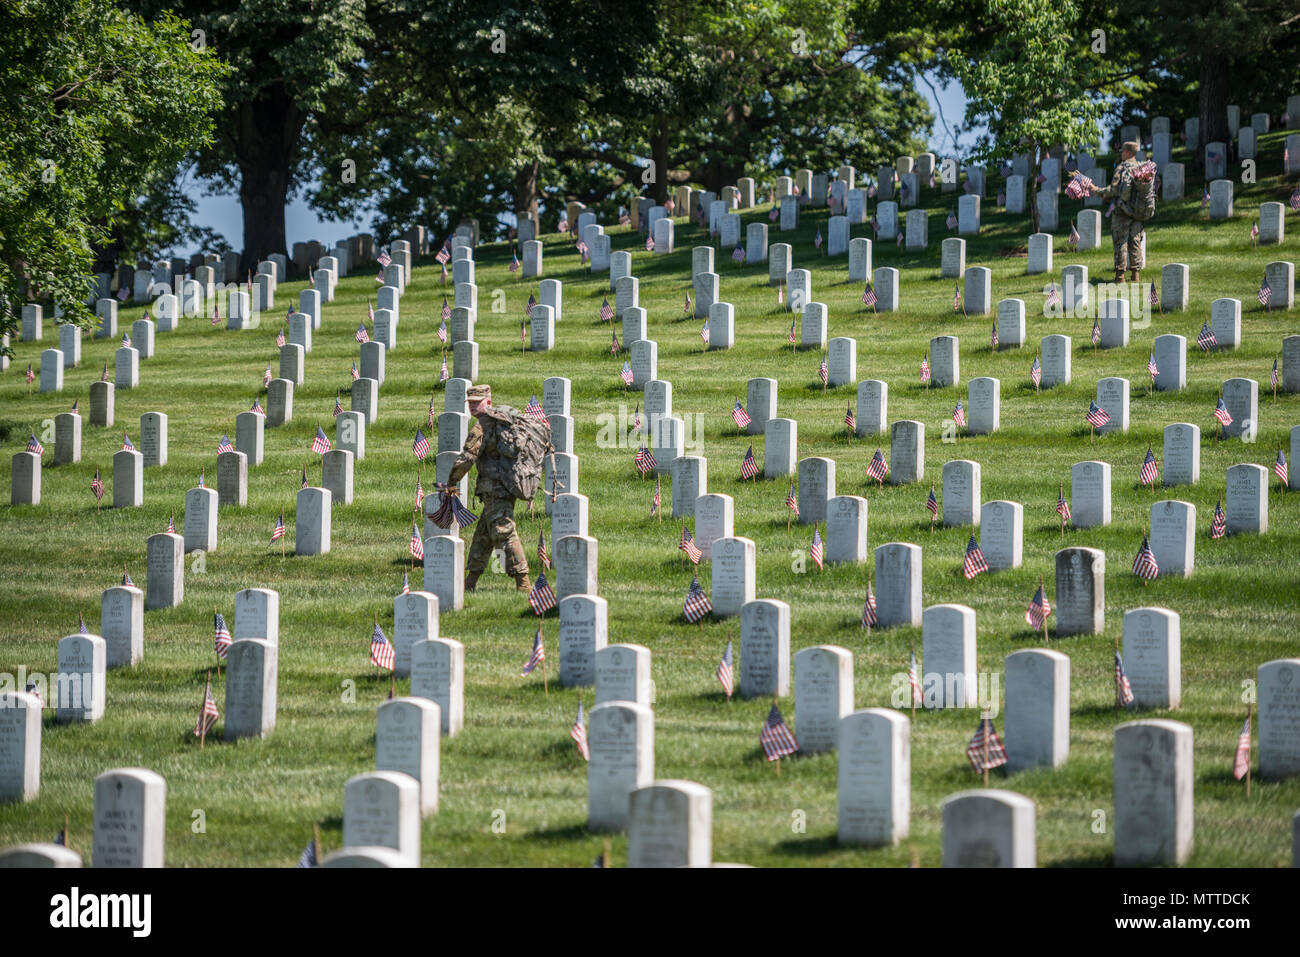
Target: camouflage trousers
{"points": [[495, 529], [1130, 242]]}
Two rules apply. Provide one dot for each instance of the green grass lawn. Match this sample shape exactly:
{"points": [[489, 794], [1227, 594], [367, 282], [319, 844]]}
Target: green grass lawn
{"points": [[260, 798]]}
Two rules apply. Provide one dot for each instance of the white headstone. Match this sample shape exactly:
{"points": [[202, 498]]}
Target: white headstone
{"points": [[988, 828], [734, 572], [312, 522], [906, 452], [670, 824], [898, 584], [1080, 591], [874, 777], [623, 674], [823, 695], [438, 674], [408, 733], [1153, 793], [130, 818], [1002, 527], [620, 736], [1278, 684], [252, 679], [382, 809]]}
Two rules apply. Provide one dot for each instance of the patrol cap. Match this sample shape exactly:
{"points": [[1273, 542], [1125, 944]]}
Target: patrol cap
{"points": [[1130, 145], [478, 392]]}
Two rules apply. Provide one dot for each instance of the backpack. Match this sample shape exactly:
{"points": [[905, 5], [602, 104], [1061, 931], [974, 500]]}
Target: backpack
{"points": [[520, 443], [1144, 192]]}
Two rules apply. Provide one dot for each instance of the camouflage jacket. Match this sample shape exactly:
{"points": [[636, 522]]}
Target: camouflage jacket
{"points": [[1121, 187], [493, 468]]}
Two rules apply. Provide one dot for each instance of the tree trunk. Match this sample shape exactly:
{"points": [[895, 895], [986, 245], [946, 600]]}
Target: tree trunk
{"points": [[526, 190], [659, 155], [1214, 101], [267, 139]]}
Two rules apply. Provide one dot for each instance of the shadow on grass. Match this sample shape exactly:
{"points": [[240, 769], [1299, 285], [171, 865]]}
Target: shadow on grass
{"points": [[808, 846], [1100, 859], [574, 832]]}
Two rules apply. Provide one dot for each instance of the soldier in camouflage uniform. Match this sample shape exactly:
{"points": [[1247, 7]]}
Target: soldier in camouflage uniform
{"points": [[1127, 233], [496, 523]]}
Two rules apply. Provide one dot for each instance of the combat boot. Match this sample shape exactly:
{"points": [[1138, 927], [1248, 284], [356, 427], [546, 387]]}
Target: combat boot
{"points": [[522, 583], [471, 579], [1137, 275], [1119, 276]]}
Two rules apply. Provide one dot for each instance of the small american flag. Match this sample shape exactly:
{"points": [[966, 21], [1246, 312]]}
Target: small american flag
{"points": [[308, 857], [76, 405], [1038, 610], [749, 466], [956, 297], [432, 416], [869, 295], [869, 617], [126, 579], [355, 374], [579, 735], [687, 545], [541, 599], [1279, 467], [103, 376], [514, 262], [775, 737], [850, 419], [1205, 338], [278, 532], [534, 409], [725, 673], [791, 501], [543, 555], [381, 651], [925, 368], [645, 461], [221, 638], [321, 444], [201, 485], [279, 339], [822, 372], [34, 445], [636, 417], [686, 306], [123, 293], [669, 206], [442, 332], [361, 334], [304, 479], [1241, 762], [444, 373], [419, 492], [443, 255], [1151, 365], [974, 562], [1096, 331], [1074, 236], [959, 415], [780, 293], [1149, 468], [951, 221], [338, 406], [171, 524], [817, 551], [1254, 230], [1123, 690], [704, 332], [1036, 372], [1152, 296], [1205, 197], [31, 376], [738, 254], [386, 260], [649, 244], [1097, 416], [208, 714], [1062, 506], [790, 337], [774, 215], [739, 415], [993, 338], [370, 310], [1110, 209], [878, 468], [658, 500], [406, 584], [1222, 414], [1294, 203], [1219, 524], [266, 377], [216, 314], [986, 739], [613, 342], [606, 310], [1079, 186], [697, 603], [127, 445], [1053, 295], [1265, 292], [913, 679], [537, 656], [97, 486], [626, 373], [1144, 563], [932, 504], [817, 240], [1274, 377], [420, 447]]}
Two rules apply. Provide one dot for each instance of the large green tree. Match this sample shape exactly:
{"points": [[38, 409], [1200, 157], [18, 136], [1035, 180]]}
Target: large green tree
{"points": [[97, 108]]}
